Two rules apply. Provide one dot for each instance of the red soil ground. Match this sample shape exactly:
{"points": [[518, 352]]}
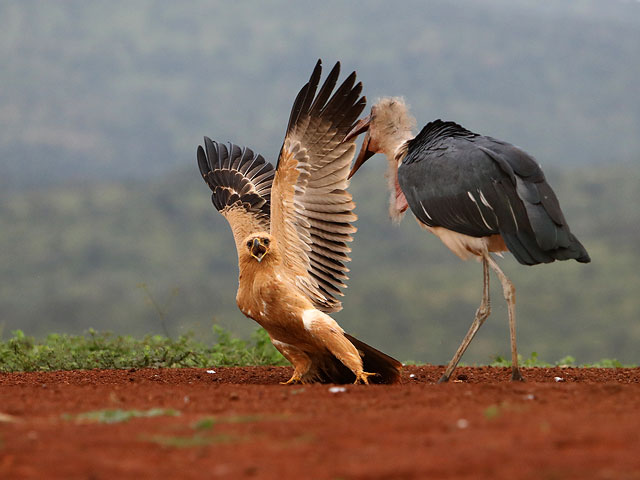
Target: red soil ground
{"points": [[240, 423]]}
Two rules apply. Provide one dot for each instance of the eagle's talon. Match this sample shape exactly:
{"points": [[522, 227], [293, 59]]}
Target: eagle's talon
{"points": [[363, 377], [294, 380]]}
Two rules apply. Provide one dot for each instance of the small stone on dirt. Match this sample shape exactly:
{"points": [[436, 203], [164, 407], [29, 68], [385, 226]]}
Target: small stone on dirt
{"points": [[462, 423]]}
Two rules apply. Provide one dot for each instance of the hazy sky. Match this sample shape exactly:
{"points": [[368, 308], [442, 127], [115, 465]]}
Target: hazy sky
{"points": [[93, 89]]}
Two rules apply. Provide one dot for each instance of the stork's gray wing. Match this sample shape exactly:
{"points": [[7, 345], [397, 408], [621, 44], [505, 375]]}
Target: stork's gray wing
{"points": [[481, 186], [241, 184]]}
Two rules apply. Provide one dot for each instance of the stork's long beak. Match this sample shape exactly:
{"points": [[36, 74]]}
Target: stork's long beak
{"points": [[365, 153], [360, 127], [258, 250]]}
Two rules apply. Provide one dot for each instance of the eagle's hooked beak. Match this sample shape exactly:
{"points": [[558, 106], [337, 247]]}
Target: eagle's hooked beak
{"points": [[365, 153], [258, 250]]}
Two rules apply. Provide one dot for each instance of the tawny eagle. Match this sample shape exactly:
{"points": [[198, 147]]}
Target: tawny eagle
{"points": [[476, 193], [291, 226]]}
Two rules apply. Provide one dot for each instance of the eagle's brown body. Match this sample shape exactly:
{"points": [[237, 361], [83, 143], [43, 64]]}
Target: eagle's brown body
{"points": [[302, 333], [291, 229]]}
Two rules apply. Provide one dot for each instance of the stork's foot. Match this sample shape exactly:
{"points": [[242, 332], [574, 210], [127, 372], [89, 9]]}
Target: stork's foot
{"points": [[363, 377], [295, 379], [516, 376]]}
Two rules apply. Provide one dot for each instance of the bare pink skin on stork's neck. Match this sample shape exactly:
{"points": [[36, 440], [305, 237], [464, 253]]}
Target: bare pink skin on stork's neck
{"points": [[392, 147], [398, 202], [401, 201]]}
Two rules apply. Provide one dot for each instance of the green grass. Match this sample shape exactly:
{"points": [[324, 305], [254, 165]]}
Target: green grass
{"points": [[203, 429], [208, 423], [204, 432], [195, 440], [491, 412], [21, 353], [105, 350], [118, 415], [566, 361]]}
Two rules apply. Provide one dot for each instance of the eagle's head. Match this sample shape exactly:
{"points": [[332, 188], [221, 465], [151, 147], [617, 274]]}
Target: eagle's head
{"points": [[258, 245]]}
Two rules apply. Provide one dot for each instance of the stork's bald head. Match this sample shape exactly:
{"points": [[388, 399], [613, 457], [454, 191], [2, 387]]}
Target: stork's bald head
{"points": [[258, 245], [387, 126]]}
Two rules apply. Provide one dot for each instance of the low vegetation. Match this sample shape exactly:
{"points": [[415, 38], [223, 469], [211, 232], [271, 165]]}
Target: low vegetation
{"points": [[118, 415], [105, 350], [21, 353], [566, 361], [201, 432]]}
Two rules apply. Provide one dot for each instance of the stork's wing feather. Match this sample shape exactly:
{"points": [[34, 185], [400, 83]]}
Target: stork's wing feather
{"points": [[311, 211], [481, 186], [241, 184]]}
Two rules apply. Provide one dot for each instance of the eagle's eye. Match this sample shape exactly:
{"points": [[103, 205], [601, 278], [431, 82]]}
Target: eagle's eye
{"points": [[266, 242]]}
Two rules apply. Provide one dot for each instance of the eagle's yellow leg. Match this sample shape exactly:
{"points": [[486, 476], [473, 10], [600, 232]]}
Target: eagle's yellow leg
{"points": [[300, 361]]}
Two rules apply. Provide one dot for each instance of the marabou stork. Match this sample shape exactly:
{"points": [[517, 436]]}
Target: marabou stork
{"points": [[476, 193]]}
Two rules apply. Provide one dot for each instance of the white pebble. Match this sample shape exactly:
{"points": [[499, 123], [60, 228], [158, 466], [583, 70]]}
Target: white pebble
{"points": [[530, 396], [462, 423], [558, 379], [413, 375], [211, 371], [337, 389]]}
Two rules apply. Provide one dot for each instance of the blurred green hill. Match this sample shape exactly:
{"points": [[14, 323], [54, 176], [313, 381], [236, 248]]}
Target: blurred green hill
{"points": [[155, 257], [105, 222]]}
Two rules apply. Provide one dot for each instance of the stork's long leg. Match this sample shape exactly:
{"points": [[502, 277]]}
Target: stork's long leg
{"points": [[510, 296], [481, 315]]}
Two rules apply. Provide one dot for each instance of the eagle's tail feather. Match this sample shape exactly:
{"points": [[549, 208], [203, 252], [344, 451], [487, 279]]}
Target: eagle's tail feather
{"points": [[328, 369]]}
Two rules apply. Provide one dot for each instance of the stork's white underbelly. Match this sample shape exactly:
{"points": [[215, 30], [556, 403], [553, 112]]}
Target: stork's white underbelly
{"points": [[466, 246]]}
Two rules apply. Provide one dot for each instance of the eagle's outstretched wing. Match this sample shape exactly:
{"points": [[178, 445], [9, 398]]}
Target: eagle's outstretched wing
{"points": [[241, 184], [311, 211]]}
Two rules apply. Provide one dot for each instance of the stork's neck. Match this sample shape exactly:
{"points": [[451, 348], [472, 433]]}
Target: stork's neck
{"points": [[392, 142], [395, 150], [391, 126]]}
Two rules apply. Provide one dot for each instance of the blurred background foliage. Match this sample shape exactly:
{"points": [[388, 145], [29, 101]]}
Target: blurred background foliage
{"points": [[106, 224]]}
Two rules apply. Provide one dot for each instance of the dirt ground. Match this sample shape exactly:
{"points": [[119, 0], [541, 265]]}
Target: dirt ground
{"points": [[563, 423]]}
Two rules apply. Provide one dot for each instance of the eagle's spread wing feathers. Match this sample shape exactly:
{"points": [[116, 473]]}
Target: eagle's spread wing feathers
{"points": [[241, 184], [312, 213]]}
